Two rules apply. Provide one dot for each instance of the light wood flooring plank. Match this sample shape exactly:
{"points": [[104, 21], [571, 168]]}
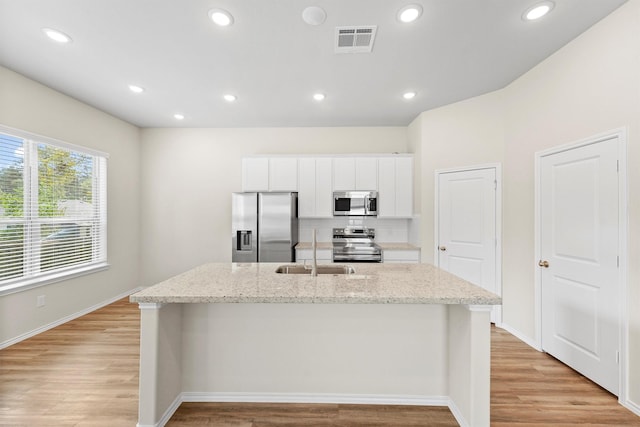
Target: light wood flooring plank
{"points": [[85, 374]]}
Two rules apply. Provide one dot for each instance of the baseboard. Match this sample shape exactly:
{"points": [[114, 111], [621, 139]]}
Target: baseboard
{"points": [[65, 319], [167, 414], [633, 407], [457, 414], [531, 343], [358, 399]]}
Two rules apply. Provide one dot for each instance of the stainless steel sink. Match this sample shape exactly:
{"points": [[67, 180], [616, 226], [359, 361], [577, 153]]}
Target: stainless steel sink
{"points": [[322, 269]]}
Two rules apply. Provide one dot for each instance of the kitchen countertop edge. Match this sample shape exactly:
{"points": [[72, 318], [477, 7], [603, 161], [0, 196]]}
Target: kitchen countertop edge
{"points": [[385, 246], [231, 283], [309, 300]]}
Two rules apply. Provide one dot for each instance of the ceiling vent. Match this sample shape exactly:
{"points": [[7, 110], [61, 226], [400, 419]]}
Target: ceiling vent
{"points": [[355, 39]]}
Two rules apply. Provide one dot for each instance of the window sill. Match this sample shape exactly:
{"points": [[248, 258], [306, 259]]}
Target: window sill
{"points": [[48, 279]]}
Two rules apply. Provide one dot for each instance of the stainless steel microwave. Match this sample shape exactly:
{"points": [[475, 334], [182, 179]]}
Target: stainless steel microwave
{"points": [[355, 203]]}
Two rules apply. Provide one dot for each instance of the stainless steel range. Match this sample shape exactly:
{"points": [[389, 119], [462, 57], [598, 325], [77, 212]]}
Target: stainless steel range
{"points": [[355, 244]]}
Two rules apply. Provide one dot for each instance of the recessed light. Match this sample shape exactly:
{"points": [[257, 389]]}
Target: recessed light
{"points": [[314, 15], [319, 96], [409, 13], [230, 98], [538, 10], [221, 17], [56, 35], [136, 89], [178, 116], [409, 95]]}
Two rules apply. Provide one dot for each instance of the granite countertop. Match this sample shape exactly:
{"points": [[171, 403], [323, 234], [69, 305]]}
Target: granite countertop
{"points": [[397, 246], [321, 245], [386, 246], [370, 284]]}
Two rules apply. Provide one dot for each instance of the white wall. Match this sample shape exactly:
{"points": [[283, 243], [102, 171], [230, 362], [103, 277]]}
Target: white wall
{"points": [[30, 106], [464, 134], [414, 135], [188, 176], [590, 86]]}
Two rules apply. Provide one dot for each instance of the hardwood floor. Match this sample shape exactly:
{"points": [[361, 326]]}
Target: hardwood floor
{"points": [[85, 373], [529, 388]]}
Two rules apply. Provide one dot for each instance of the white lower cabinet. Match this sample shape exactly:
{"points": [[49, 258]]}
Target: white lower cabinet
{"points": [[323, 256], [403, 255]]}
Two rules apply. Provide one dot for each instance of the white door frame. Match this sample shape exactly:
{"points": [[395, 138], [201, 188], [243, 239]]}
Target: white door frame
{"points": [[436, 220], [621, 135]]}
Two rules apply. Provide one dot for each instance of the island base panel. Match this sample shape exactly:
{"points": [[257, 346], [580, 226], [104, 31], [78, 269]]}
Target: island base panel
{"points": [[426, 354]]}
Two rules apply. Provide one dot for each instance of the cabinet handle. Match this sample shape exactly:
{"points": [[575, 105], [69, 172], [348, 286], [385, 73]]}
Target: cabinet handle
{"points": [[442, 248], [544, 264]]}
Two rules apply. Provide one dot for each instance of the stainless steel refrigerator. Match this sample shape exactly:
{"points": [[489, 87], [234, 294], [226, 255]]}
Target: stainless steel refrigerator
{"points": [[264, 227]]}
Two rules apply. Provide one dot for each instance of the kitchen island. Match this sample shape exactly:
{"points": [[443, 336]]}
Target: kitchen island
{"points": [[389, 333]]}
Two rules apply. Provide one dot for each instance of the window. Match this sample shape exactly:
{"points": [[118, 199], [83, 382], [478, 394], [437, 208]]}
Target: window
{"points": [[52, 210]]}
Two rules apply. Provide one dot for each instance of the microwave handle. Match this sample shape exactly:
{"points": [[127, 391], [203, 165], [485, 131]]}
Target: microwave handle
{"points": [[371, 204]]}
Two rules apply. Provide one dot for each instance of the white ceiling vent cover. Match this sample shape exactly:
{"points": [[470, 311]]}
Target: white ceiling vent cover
{"points": [[355, 39]]}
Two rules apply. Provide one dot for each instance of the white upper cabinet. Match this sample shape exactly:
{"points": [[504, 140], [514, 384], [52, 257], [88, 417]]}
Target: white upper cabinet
{"points": [[255, 174], [269, 174], [316, 178], [314, 188], [306, 187], [386, 186], [395, 186], [404, 186], [283, 174], [366, 173], [344, 173], [324, 189], [355, 173]]}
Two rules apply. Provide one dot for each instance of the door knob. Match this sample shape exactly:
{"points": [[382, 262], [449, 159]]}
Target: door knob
{"points": [[442, 248], [544, 264]]}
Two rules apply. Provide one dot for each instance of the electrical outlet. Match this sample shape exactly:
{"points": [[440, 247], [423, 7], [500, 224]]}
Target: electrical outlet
{"points": [[40, 301]]}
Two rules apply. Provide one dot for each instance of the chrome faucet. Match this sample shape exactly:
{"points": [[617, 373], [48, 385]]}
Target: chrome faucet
{"points": [[314, 249]]}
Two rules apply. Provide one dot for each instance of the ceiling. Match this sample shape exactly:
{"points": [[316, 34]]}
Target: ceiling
{"points": [[274, 62]]}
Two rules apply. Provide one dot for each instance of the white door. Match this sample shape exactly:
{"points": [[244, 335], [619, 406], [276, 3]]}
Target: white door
{"points": [[467, 231], [579, 259]]}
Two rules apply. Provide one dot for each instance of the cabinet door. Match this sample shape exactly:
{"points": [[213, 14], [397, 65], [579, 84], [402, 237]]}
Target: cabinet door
{"points": [[366, 173], [255, 174], [395, 186], [283, 174], [344, 173], [406, 256], [305, 256], [404, 186], [307, 187], [386, 186], [324, 189]]}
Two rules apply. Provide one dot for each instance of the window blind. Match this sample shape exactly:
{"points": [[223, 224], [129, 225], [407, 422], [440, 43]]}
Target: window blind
{"points": [[52, 209]]}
